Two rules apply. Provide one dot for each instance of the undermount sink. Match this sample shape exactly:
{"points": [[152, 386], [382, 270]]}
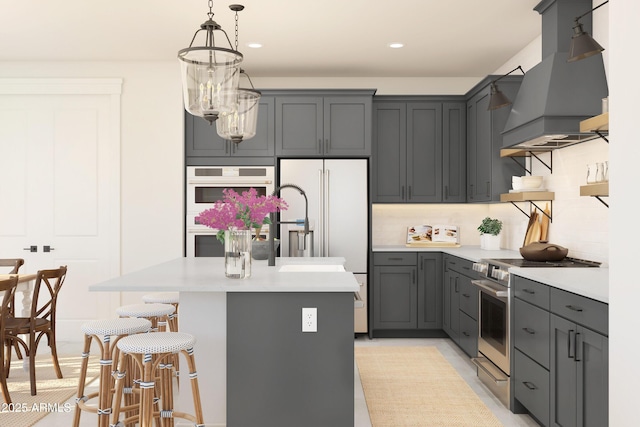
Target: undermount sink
{"points": [[312, 268]]}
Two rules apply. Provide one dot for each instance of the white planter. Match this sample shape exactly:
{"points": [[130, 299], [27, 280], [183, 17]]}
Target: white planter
{"points": [[490, 242]]}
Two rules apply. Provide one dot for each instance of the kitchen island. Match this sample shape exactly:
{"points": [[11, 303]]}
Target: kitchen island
{"points": [[255, 365]]}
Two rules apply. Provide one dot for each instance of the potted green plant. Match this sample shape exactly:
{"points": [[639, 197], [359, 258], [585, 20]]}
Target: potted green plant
{"points": [[490, 233]]}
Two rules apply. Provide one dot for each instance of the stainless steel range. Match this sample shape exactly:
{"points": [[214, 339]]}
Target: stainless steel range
{"points": [[494, 318]]}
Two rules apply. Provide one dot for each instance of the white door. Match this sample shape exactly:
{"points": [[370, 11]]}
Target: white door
{"points": [[59, 186]]}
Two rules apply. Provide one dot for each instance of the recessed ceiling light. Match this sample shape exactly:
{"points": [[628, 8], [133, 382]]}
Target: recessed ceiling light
{"points": [[396, 45], [254, 45]]}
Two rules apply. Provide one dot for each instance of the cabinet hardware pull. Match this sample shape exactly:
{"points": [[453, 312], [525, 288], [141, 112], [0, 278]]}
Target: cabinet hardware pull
{"points": [[465, 333], [466, 295], [226, 147], [471, 192], [446, 192], [47, 248], [394, 259], [529, 331], [578, 346], [32, 248], [327, 146], [320, 145], [409, 192], [466, 268], [456, 285], [570, 307], [571, 340], [529, 385], [528, 291], [403, 192]]}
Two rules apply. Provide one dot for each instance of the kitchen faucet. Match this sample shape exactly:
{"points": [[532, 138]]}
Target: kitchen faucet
{"points": [[272, 217]]}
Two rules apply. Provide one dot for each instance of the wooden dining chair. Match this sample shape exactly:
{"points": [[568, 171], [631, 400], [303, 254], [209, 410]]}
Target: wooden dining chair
{"points": [[40, 323], [12, 266], [7, 290], [13, 263]]}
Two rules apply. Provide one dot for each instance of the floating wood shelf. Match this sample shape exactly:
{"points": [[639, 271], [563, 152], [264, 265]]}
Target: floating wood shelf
{"points": [[595, 124], [521, 152], [527, 196], [598, 189]]}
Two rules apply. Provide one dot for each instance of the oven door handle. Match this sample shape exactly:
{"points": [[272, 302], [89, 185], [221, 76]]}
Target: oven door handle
{"points": [[485, 286], [478, 361]]}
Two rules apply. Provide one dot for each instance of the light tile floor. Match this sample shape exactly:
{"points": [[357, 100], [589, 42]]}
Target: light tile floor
{"points": [[450, 351]]}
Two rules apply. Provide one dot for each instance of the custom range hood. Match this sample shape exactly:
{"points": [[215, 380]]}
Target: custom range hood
{"points": [[556, 95]]}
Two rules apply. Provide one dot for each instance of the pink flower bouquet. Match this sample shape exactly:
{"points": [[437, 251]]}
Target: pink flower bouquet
{"points": [[241, 212]]}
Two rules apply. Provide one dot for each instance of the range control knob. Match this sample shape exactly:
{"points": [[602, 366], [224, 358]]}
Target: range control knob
{"points": [[501, 275], [480, 267]]}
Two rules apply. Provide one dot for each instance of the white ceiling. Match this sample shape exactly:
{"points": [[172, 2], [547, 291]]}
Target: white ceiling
{"points": [[328, 38]]}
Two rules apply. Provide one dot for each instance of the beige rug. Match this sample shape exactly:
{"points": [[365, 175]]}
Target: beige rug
{"points": [[53, 393], [416, 386]]}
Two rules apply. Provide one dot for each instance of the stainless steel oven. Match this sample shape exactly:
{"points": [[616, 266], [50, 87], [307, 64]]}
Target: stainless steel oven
{"points": [[494, 333], [204, 188]]}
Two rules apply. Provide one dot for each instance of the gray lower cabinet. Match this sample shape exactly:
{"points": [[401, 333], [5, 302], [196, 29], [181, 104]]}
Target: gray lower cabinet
{"points": [[430, 291], [202, 140], [407, 291], [460, 304], [488, 175], [560, 356], [324, 124], [419, 150], [451, 304], [579, 375]]}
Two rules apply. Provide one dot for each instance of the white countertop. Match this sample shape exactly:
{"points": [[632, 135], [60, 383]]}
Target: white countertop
{"points": [[589, 282], [206, 274]]}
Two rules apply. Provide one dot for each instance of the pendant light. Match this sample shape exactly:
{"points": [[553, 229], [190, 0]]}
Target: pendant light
{"points": [[497, 99], [210, 74], [240, 123], [582, 44]]}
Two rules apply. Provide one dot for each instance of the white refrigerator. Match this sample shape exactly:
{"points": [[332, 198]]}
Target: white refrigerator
{"points": [[337, 193]]}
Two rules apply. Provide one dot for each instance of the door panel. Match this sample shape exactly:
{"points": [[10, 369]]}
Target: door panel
{"points": [[64, 194], [346, 224]]}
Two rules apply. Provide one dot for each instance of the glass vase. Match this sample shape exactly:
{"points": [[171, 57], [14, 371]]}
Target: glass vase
{"points": [[237, 254]]}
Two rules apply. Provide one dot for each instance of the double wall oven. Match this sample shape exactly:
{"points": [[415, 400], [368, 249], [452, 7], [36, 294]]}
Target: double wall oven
{"points": [[204, 188], [494, 319]]}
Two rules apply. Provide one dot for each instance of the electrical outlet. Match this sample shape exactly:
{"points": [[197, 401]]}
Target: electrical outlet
{"points": [[309, 319]]}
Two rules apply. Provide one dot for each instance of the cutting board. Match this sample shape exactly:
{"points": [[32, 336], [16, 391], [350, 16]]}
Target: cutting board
{"points": [[533, 229], [544, 224]]}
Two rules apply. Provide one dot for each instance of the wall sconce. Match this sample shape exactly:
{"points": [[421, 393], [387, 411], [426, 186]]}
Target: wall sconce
{"points": [[497, 99], [582, 44]]}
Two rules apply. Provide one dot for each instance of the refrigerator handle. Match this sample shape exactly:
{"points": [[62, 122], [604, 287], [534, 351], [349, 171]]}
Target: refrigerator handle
{"points": [[320, 215], [327, 217]]}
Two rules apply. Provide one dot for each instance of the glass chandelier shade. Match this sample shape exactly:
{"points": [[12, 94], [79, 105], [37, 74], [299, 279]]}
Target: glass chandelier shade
{"points": [[209, 77], [240, 123], [209, 74]]}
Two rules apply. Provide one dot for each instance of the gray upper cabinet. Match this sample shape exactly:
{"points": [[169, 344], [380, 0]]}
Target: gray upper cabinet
{"points": [[202, 140], [419, 151], [488, 175], [324, 124]]}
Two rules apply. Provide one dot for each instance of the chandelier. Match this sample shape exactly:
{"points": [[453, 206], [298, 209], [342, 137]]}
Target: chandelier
{"points": [[240, 123], [210, 74]]}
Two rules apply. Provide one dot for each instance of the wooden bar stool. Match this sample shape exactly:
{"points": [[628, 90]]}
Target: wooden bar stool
{"points": [[107, 329], [158, 314], [172, 298], [153, 353]]}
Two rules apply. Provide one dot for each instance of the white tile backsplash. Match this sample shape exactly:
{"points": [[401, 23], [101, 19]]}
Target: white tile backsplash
{"points": [[578, 223]]}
